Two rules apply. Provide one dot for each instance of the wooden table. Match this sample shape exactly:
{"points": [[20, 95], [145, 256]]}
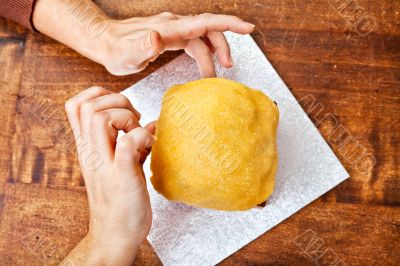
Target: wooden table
{"points": [[344, 71]]}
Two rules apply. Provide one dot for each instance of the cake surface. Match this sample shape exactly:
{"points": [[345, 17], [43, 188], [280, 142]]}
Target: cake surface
{"points": [[216, 145]]}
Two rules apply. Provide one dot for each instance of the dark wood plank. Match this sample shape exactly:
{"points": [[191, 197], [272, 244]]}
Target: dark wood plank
{"points": [[344, 73], [41, 225], [328, 234], [11, 30], [325, 232], [357, 111], [11, 56]]}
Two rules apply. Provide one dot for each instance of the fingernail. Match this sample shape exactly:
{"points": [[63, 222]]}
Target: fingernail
{"points": [[250, 25], [155, 138]]}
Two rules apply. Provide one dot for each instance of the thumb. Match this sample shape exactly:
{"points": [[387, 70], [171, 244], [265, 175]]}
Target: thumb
{"points": [[151, 127], [129, 149], [145, 48]]}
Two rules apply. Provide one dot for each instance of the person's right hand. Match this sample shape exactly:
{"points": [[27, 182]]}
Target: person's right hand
{"points": [[127, 46], [119, 204]]}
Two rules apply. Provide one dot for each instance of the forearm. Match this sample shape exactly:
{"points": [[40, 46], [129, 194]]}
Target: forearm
{"points": [[78, 24]]}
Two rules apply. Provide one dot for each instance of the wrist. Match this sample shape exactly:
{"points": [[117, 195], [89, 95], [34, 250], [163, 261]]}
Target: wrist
{"points": [[95, 43], [111, 250], [78, 24], [102, 38]]}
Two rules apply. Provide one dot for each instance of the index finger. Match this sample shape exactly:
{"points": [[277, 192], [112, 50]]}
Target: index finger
{"points": [[195, 26], [73, 105]]}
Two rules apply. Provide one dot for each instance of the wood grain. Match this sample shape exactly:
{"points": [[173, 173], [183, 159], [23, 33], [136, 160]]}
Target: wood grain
{"points": [[349, 84], [325, 233], [328, 234], [46, 233], [11, 56]]}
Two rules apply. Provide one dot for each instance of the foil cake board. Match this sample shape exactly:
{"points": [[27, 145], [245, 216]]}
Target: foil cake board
{"points": [[308, 168]]}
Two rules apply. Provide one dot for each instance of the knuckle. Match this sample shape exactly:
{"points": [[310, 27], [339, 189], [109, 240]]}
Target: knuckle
{"points": [[125, 143], [98, 119], [192, 33], [139, 131], [124, 99], [168, 15], [131, 123], [70, 106], [87, 108], [141, 134], [96, 90], [138, 67], [205, 16], [116, 71]]}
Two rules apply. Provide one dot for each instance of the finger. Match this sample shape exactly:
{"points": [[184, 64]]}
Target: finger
{"points": [[208, 43], [113, 100], [221, 46], [118, 119], [89, 108], [104, 126], [151, 127], [129, 147], [73, 105], [196, 26], [199, 51], [144, 48]]}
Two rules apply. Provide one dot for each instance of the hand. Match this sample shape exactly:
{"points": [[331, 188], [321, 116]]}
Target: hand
{"points": [[120, 212], [129, 45]]}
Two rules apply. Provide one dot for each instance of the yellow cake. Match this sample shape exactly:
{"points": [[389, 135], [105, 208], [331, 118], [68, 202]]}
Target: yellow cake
{"points": [[216, 145]]}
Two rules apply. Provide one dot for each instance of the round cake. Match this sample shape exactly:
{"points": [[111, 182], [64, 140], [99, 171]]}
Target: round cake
{"points": [[216, 145]]}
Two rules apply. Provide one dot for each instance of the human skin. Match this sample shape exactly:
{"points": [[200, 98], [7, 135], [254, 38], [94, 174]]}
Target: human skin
{"points": [[119, 204], [127, 46]]}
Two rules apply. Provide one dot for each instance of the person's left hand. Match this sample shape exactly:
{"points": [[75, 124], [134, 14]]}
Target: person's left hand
{"points": [[127, 46]]}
